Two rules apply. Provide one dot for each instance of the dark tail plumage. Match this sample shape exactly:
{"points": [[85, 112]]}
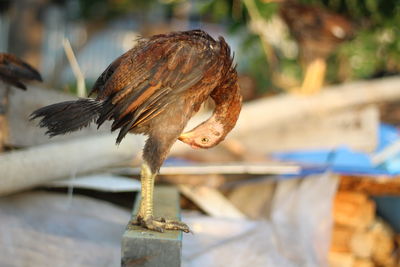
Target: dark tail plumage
{"points": [[14, 71], [69, 116]]}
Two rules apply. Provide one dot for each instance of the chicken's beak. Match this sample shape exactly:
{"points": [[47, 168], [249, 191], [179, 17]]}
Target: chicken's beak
{"points": [[185, 137]]}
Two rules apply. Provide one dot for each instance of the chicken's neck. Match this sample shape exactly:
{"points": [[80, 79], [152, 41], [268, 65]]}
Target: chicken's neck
{"points": [[228, 103]]}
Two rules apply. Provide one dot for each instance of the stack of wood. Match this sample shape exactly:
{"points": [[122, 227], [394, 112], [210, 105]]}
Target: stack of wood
{"points": [[359, 238], [382, 186]]}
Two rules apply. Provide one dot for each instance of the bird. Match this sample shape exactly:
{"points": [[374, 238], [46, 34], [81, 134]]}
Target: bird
{"points": [[318, 33], [14, 71], [154, 89]]}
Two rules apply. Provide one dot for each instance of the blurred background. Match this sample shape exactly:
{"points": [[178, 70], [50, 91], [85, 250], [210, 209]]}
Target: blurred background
{"points": [[268, 50], [309, 176]]}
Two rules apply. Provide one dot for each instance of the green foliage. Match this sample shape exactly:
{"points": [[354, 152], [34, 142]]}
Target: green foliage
{"points": [[266, 10], [376, 47], [107, 9], [215, 10], [252, 61]]}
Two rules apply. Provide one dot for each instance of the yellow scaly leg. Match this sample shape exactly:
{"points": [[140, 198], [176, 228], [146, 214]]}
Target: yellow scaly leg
{"points": [[145, 216], [314, 77]]}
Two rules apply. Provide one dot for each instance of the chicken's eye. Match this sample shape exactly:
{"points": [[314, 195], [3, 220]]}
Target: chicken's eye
{"points": [[204, 140]]}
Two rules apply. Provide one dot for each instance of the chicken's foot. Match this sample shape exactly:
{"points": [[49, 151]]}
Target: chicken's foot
{"points": [[145, 216]]}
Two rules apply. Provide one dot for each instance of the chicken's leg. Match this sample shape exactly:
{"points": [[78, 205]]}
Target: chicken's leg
{"points": [[314, 77], [4, 92], [145, 217]]}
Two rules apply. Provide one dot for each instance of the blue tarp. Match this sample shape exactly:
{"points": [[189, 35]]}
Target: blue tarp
{"points": [[346, 161]]}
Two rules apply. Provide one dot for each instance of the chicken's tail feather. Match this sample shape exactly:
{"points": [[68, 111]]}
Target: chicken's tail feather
{"points": [[68, 116]]}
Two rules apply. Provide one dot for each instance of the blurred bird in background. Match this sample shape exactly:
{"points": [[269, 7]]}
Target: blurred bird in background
{"points": [[318, 32], [13, 72], [154, 89]]}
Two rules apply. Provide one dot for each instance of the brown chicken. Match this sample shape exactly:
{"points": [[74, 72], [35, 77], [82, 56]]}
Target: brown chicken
{"points": [[318, 33], [14, 71], [154, 89]]}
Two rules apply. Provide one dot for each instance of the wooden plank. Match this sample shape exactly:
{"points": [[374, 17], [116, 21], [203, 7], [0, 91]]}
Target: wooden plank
{"points": [[385, 154], [211, 201], [356, 128], [141, 247], [104, 182], [210, 180], [232, 168], [254, 197]]}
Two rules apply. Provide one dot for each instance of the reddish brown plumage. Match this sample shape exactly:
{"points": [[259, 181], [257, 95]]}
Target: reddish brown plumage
{"points": [[14, 71], [154, 89], [317, 30]]}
